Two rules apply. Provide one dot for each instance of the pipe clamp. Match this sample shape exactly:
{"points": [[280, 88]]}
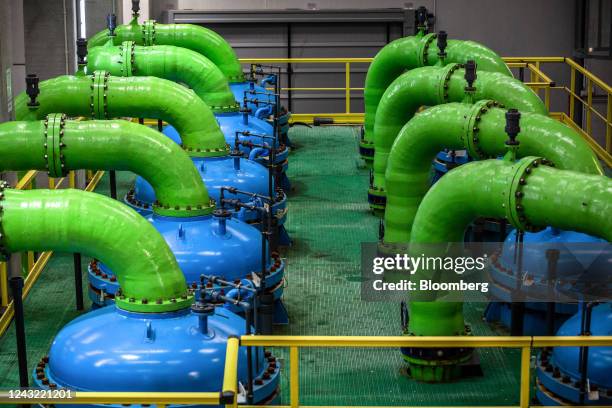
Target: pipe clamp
{"points": [[53, 135], [514, 209]]}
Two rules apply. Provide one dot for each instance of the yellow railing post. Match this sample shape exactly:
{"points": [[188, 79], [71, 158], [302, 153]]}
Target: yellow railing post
{"points": [[347, 85], [230, 373], [589, 105], [3, 284], [572, 102], [72, 179], [294, 377], [525, 376]]}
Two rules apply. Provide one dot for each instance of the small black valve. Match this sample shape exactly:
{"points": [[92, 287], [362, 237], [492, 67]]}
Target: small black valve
{"points": [[442, 44], [470, 75], [135, 7], [111, 23], [32, 89], [421, 16], [81, 49], [512, 126]]}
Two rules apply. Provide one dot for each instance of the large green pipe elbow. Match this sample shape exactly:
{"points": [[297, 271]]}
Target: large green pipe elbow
{"points": [[172, 63], [59, 145], [103, 228], [479, 129], [430, 86], [101, 96], [412, 52], [528, 193], [196, 38]]}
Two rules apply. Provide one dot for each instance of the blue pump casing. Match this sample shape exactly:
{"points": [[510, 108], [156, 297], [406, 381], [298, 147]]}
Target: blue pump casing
{"points": [[447, 160], [111, 349], [224, 247], [217, 172], [535, 265], [558, 372]]}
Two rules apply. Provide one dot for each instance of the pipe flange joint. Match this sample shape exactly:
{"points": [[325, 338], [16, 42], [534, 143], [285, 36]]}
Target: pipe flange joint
{"points": [[99, 95], [514, 208], [423, 53], [148, 32], [134, 304], [472, 128], [170, 210], [4, 252], [53, 144], [235, 107], [447, 73], [127, 58], [207, 152]]}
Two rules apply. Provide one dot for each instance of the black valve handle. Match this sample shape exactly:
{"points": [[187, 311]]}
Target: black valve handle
{"points": [[32, 89], [470, 74], [513, 117], [81, 45], [135, 6], [442, 36], [111, 23]]}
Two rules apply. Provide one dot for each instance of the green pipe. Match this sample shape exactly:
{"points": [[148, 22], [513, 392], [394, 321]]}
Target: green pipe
{"points": [[529, 193], [430, 86], [101, 96], [412, 52], [165, 61], [59, 145], [455, 126], [103, 228], [199, 39]]}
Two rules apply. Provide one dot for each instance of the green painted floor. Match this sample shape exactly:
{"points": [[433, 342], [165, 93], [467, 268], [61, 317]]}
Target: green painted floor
{"points": [[328, 219]]}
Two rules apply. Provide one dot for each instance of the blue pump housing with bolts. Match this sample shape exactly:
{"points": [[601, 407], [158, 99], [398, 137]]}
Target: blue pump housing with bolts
{"points": [[535, 265], [447, 160], [217, 172], [559, 371], [214, 245], [111, 349]]}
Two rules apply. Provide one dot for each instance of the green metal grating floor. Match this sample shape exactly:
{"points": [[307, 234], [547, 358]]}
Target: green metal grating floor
{"points": [[328, 220]]}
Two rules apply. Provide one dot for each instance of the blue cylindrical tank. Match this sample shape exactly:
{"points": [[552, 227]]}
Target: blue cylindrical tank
{"points": [[221, 246], [558, 372], [220, 172], [114, 350], [535, 266]]}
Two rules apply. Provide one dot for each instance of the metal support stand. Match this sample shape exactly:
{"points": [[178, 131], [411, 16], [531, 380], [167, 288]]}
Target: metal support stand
{"points": [[78, 281], [16, 284], [112, 176]]}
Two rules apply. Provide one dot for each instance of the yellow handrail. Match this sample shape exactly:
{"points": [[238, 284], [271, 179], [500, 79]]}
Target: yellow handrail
{"points": [[539, 81]]}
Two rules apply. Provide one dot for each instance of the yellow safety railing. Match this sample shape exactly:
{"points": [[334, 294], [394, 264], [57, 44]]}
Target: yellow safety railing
{"points": [[228, 395], [35, 265], [537, 79], [525, 343]]}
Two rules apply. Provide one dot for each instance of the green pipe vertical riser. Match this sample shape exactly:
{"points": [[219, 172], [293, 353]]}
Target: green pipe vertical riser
{"points": [[430, 86], [172, 63], [528, 193], [193, 37], [417, 51], [103, 228], [58, 145], [457, 126], [100, 96]]}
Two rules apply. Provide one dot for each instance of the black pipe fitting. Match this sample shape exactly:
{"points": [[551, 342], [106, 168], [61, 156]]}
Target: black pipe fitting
{"points": [[135, 7], [81, 49], [32, 89], [111, 23], [512, 126], [442, 44], [470, 75]]}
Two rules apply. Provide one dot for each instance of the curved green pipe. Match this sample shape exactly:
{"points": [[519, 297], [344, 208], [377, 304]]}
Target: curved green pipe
{"points": [[455, 126], [430, 86], [101, 96], [493, 188], [164, 61], [103, 228], [199, 39], [59, 145], [412, 52]]}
